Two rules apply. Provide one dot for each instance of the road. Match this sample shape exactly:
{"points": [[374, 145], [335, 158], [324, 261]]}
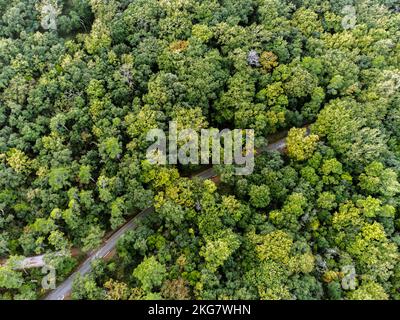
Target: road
{"points": [[64, 289], [34, 262], [27, 263]]}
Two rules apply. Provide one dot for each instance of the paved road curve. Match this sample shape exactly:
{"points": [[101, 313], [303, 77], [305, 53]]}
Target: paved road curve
{"points": [[64, 289]]}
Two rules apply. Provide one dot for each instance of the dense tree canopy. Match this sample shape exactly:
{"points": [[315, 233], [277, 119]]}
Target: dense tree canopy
{"points": [[82, 82]]}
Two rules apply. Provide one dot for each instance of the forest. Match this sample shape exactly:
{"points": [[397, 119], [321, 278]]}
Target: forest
{"points": [[82, 82]]}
